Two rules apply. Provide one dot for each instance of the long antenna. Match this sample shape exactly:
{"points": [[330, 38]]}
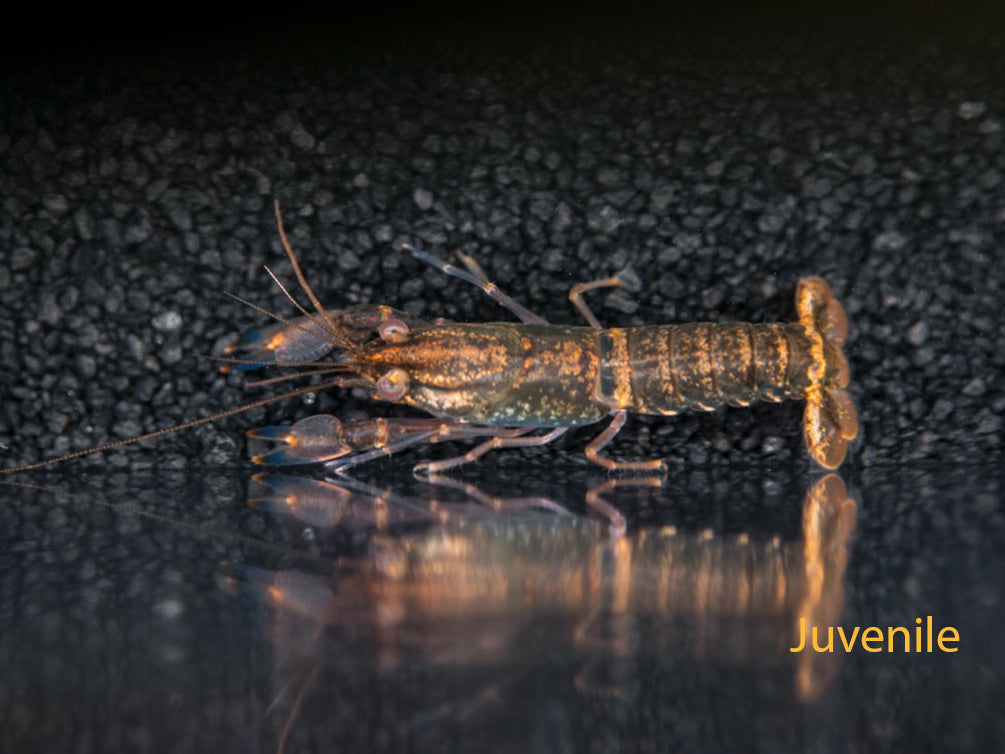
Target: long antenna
{"points": [[324, 318], [177, 428]]}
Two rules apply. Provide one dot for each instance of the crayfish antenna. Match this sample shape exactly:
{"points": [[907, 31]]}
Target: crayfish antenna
{"points": [[177, 428], [323, 319]]}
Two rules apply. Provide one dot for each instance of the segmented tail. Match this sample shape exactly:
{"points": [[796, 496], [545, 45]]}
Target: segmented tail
{"points": [[830, 420]]}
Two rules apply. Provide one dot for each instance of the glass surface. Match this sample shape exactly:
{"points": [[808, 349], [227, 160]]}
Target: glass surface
{"points": [[434, 618]]}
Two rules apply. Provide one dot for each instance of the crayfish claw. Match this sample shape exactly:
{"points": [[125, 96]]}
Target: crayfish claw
{"points": [[311, 440]]}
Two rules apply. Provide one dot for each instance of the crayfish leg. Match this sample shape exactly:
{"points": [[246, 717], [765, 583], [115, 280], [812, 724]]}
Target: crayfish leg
{"points": [[600, 441], [340, 465], [576, 297], [476, 277], [502, 438], [323, 439], [408, 432]]}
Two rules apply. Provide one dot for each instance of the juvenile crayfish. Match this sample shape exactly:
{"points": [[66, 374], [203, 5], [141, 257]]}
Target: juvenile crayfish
{"points": [[500, 381]]}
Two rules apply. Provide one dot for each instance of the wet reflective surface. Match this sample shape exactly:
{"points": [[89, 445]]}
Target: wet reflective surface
{"points": [[426, 620]]}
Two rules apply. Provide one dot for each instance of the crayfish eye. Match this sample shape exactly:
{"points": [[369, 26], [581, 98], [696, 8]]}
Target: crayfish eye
{"points": [[392, 330], [392, 385]]}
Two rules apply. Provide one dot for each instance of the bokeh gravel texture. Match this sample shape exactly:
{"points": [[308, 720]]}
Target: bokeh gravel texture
{"points": [[717, 162], [718, 170]]}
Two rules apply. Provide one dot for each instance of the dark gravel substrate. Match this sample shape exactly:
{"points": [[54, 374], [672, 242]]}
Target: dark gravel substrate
{"points": [[718, 168], [715, 159]]}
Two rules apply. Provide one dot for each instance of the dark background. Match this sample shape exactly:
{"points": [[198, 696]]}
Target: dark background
{"points": [[718, 155]]}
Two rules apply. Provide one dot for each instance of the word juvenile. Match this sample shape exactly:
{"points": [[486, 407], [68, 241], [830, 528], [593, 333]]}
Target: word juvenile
{"points": [[876, 639]]}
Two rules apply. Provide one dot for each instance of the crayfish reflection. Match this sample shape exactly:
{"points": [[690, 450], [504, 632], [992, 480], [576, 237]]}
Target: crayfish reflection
{"points": [[497, 590]]}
